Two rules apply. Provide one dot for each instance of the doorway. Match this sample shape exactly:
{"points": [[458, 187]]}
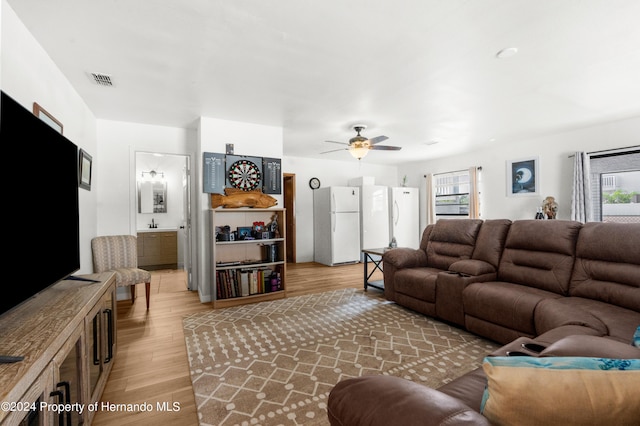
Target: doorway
{"points": [[174, 171], [289, 191]]}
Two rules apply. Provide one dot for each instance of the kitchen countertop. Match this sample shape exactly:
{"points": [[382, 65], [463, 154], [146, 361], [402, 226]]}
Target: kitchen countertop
{"points": [[159, 229]]}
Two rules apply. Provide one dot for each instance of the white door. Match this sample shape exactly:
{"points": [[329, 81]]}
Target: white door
{"points": [[375, 216], [405, 220], [345, 244], [345, 199]]}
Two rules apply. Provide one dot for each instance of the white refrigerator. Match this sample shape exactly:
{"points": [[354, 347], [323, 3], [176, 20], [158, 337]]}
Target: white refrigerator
{"points": [[336, 225], [374, 216], [404, 214]]}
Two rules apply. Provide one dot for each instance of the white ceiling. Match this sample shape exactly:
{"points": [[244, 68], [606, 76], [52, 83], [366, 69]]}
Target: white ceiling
{"points": [[414, 70]]}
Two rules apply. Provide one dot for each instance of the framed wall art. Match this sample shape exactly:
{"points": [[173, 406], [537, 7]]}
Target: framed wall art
{"points": [[523, 177], [84, 170], [43, 115]]}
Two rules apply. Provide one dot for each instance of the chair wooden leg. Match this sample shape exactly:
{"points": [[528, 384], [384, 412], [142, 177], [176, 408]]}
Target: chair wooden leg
{"points": [[147, 287], [133, 293]]}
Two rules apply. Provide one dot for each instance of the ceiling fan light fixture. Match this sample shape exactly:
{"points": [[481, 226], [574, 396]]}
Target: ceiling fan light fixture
{"points": [[359, 151]]}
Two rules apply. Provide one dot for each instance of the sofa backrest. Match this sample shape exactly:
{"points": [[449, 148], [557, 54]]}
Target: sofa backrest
{"points": [[540, 254], [607, 266], [451, 240], [425, 237], [490, 241]]}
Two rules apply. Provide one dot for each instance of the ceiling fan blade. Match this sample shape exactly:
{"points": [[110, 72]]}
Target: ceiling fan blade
{"points": [[377, 139], [386, 148], [341, 143], [335, 150]]}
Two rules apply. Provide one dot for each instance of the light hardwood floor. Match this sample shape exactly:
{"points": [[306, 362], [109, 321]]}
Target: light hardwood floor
{"points": [[151, 365]]}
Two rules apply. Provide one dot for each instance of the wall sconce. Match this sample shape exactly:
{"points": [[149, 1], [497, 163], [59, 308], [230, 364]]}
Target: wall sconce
{"points": [[153, 174]]}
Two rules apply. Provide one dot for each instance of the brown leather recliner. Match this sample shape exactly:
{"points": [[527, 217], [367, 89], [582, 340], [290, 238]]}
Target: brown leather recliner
{"points": [[410, 274]]}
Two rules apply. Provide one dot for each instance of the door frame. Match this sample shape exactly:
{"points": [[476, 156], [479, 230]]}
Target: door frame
{"points": [[188, 188], [289, 194]]}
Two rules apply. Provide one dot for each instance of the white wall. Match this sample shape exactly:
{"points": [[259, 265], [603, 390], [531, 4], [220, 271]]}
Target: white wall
{"points": [[213, 135], [115, 167], [556, 167], [115, 170], [330, 173], [29, 75]]}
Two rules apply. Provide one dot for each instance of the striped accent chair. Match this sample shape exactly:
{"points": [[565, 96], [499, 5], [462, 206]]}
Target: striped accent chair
{"points": [[119, 253]]}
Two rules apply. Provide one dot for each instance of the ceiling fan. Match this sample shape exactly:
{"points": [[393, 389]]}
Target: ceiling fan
{"points": [[359, 146]]}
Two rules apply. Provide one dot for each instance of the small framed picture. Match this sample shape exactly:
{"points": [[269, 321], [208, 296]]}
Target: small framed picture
{"points": [[244, 233], [45, 116], [523, 177], [84, 170]]}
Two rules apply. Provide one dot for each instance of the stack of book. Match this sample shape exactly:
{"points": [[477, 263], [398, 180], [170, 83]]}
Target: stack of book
{"points": [[246, 282]]}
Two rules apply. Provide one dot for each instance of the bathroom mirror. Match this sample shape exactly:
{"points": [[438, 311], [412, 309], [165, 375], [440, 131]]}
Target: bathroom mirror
{"points": [[152, 197]]}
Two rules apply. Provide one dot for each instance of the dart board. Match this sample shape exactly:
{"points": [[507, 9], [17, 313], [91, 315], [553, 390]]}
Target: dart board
{"points": [[245, 175]]}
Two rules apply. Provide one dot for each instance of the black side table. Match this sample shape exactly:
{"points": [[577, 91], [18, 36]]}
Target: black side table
{"points": [[374, 256]]}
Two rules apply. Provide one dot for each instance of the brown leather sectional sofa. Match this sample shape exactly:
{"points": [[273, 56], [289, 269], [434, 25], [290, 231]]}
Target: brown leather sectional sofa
{"points": [[573, 288]]}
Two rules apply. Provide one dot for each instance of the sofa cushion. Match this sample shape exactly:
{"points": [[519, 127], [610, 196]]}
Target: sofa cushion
{"points": [[553, 313], [503, 303], [607, 264], [523, 391], [490, 241], [591, 346], [607, 319], [540, 254], [563, 331], [419, 283], [467, 388], [452, 240], [388, 400]]}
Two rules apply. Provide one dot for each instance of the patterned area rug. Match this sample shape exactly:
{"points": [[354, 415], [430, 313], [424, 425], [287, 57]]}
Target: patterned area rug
{"points": [[274, 363]]}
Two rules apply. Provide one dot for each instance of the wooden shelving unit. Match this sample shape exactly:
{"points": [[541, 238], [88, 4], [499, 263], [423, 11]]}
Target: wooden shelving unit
{"points": [[231, 258]]}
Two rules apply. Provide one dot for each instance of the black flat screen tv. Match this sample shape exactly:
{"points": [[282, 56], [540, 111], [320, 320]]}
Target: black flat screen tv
{"points": [[40, 189]]}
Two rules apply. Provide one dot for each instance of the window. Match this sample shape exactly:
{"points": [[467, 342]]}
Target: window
{"points": [[452, 193], [620, 197], [615, 186]]}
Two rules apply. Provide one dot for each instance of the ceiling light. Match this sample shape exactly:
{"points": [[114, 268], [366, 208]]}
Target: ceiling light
{"points": [[359, 150], [507, 52]]}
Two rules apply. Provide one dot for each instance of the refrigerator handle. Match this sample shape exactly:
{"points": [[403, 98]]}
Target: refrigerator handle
{"points": [[396, 212]]}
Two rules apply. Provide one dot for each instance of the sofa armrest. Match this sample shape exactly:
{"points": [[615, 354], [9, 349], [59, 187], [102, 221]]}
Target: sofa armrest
{"points": [[388, 400], [591, 346], [404, 257], [472, 267]]}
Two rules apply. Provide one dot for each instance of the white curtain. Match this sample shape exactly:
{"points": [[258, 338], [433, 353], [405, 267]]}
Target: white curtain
{"points": [[431, 200], [581, 194], [474, 194]]}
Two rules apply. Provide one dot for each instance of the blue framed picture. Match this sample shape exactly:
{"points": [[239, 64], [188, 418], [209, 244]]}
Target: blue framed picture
{"points": [[244, 233], [523, 177]]}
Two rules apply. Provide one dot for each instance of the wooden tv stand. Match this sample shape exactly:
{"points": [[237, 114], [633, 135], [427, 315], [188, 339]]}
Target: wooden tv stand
{"points": [[67, 336]]}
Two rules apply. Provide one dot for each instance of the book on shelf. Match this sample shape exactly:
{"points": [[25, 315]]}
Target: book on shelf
{"points": [[239, 282], [244, 283]]}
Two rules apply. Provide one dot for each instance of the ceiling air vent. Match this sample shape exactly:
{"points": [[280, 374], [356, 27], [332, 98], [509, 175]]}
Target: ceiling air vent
{"points": [[102, 79]]}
